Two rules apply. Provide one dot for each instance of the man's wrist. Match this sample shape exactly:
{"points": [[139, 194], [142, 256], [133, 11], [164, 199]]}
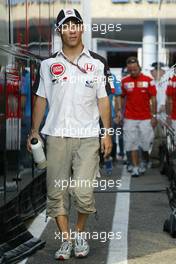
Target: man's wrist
{"points": [[119, 110], [154, 115], [34, 130], [107, 132]]}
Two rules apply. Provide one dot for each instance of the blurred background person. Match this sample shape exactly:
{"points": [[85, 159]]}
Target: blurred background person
{"points": [[157, 73], [115, 100], [171, 103], [140, 118]]}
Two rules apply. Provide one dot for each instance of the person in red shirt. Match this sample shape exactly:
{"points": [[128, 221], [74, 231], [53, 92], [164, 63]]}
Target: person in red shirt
{"points": [[139, 92], [171, 102]]}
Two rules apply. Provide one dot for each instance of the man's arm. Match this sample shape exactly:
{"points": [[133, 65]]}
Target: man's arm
{"points": [[23, 103], [169, 106], [38, 113], [105, 113], [37, 117], [153, 111], [118, 108], [153, 105]]}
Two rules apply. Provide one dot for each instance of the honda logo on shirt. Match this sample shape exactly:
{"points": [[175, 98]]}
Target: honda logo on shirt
{"points": [[89, 67]]}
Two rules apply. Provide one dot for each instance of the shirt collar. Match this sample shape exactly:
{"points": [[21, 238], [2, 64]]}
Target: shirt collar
{"points": [[84, 52]]}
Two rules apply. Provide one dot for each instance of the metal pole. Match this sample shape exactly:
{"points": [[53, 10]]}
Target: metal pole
{"points": [[159, 38], [86, 13], [10, 39], [5, 145]]}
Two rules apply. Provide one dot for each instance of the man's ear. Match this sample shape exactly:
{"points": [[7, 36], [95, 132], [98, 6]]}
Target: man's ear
{"points": [[59, 31], [83, 28]]}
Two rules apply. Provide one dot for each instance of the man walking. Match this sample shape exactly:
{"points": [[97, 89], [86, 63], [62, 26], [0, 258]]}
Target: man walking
{"points": [[140, 114], [73, 84], [171, 103]]}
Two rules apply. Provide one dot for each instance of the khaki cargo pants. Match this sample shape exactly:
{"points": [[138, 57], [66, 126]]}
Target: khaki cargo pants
{"points": [[72, 165]]}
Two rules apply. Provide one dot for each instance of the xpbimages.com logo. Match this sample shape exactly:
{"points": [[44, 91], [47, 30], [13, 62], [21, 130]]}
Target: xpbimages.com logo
{"points": [[101, 28], [86, 132], [101, 236], [81, 183]]}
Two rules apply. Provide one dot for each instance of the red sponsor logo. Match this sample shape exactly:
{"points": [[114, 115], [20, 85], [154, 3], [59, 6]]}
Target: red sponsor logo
{"points": [[89, 67], [57, 69]]}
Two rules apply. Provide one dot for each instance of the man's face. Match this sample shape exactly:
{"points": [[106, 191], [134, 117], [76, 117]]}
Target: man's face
{"points": [[157, 74], [71, 33], [133, 69]]}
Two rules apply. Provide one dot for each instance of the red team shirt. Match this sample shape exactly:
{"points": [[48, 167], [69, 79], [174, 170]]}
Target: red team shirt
{"points": [[138, 92], [171, 91]]}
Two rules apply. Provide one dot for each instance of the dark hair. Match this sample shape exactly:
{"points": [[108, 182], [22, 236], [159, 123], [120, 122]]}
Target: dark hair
{"points": [[131, 60], [157, 65]]}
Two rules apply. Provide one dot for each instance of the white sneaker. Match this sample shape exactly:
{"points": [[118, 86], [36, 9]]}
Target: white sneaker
{"points": [[143, 167], [81, 247], [65, 251], [118, 157], [135, 172], [129, 168]]}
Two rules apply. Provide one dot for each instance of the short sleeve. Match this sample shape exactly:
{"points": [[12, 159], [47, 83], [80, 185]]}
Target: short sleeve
{"points": [[169, 90], [107, 75], [123, 88], [37, 81], [101, 83], [41, 91]]}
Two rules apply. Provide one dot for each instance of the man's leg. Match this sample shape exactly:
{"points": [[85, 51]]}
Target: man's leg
{"points": [[85, 167], [135, 158], [62, 222], [81, 222], [145, 156], [58, 199], [131, 141], [147, 137]]}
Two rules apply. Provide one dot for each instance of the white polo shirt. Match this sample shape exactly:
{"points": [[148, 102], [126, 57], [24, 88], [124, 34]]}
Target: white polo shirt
{"points": [[72, 95]]}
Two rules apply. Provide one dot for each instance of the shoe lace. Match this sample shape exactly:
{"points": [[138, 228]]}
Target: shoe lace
{"points": [[80, 241], [65, 246]]}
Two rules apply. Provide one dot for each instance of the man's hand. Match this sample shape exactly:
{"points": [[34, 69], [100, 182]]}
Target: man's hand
{"points": [[154, 122], [106, 145], [118, 117], [33, 134]]}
